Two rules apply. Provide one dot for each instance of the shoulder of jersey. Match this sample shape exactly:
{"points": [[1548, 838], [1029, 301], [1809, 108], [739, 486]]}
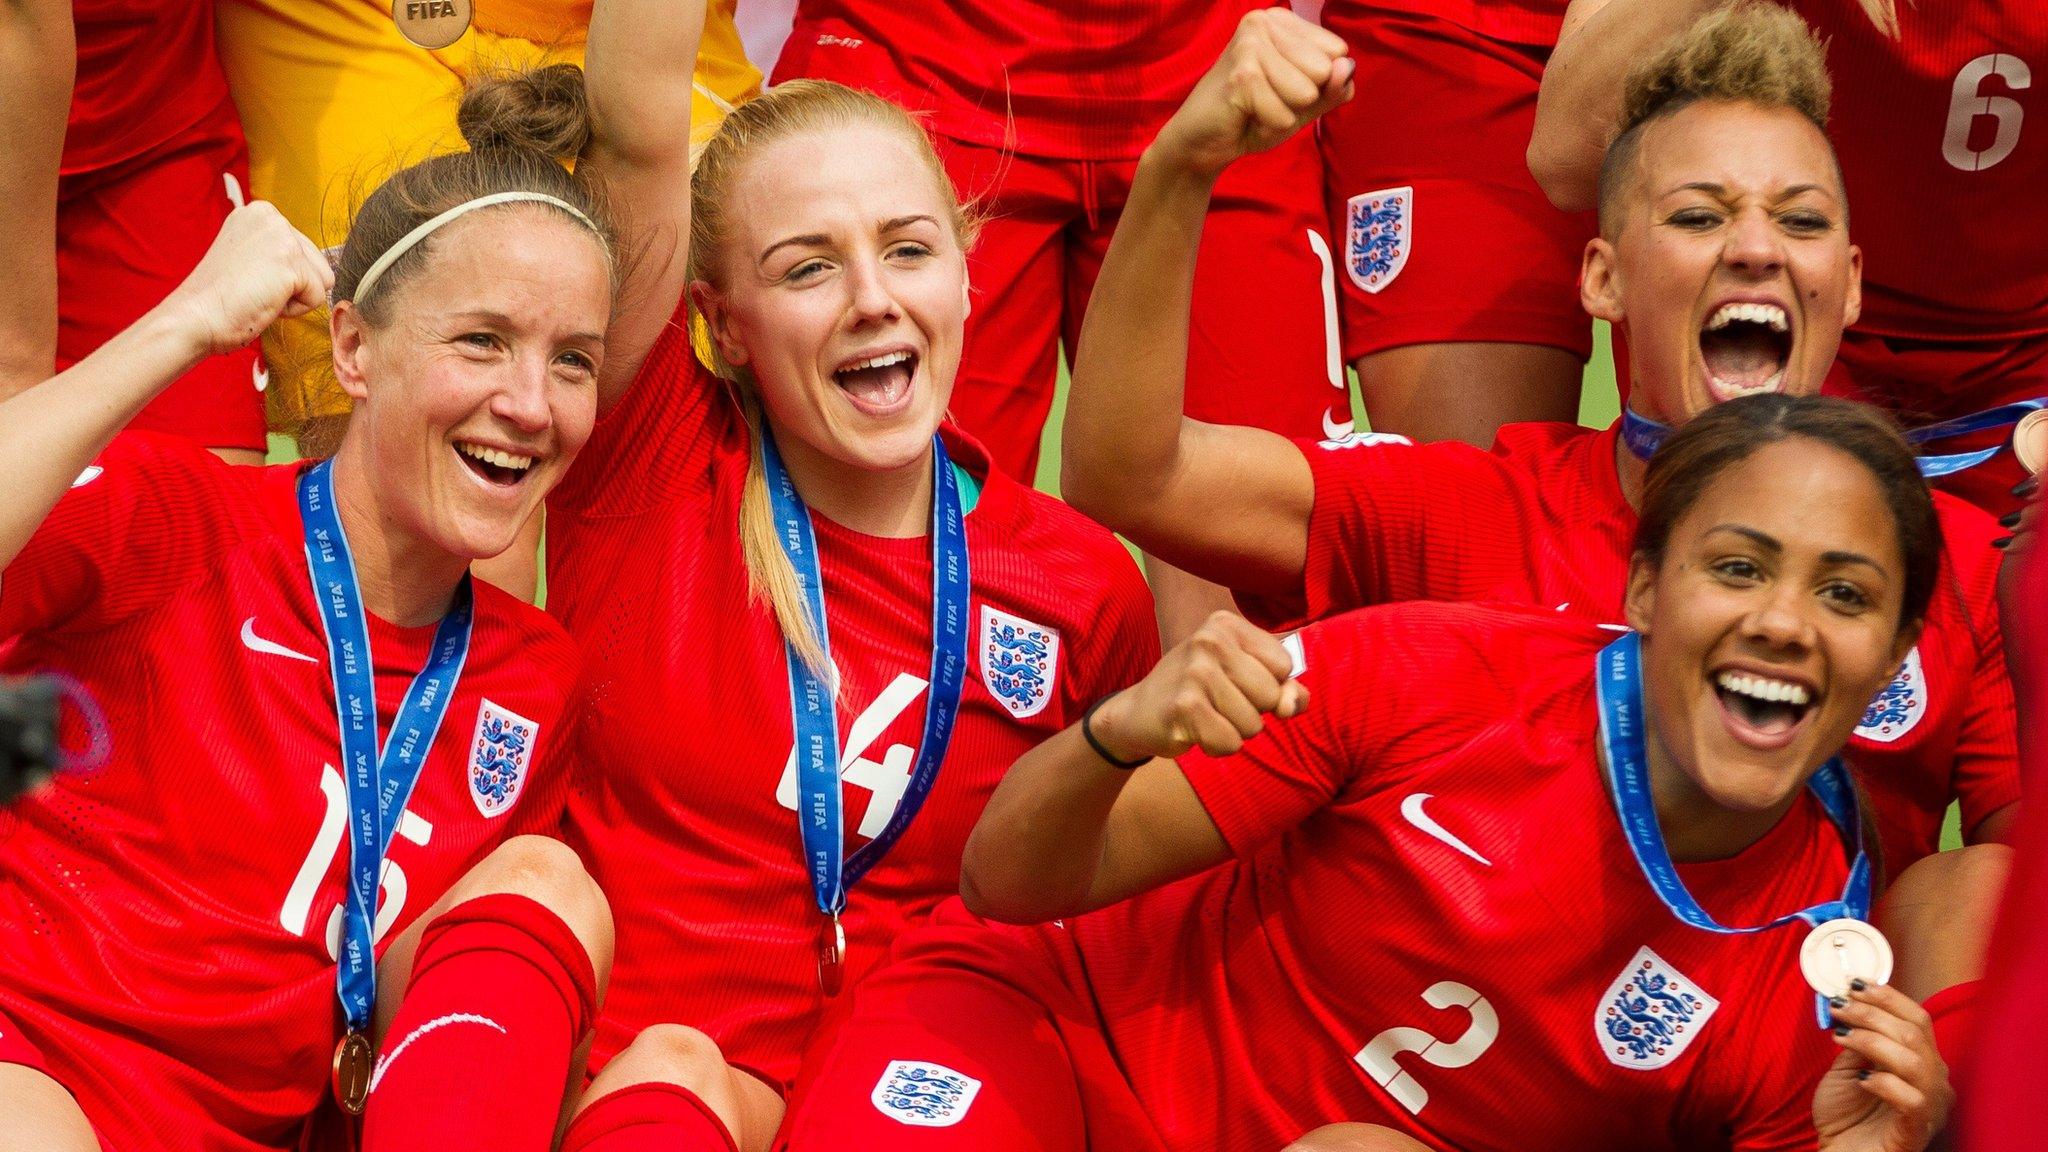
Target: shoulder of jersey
{"points": [[539, 636], [1504, 637]]}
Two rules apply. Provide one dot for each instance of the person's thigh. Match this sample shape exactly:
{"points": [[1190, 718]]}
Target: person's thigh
{"points": [[1443, 237], [35, 1110], [1010, 364], [129, 235]]}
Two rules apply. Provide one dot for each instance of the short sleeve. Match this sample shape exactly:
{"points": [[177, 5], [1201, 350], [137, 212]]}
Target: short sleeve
{"points": [[1297, 766], [658, 441], [1122, 643], [1391, 521], [147, 517]]}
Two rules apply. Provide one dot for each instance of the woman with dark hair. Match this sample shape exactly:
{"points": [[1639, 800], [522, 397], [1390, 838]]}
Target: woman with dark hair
{"points": [[1482, 865], [328, 746]]}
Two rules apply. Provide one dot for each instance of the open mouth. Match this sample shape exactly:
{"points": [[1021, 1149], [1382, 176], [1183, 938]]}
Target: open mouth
{"points": [[1745, 348], [495, 466], [1769, 708], [878, 385]]}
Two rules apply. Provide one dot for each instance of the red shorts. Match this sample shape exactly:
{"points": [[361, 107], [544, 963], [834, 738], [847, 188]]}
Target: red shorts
{"points": [[971, 1036], [1260, 349], [1928, 380], [126, 236], [1442, 233]]}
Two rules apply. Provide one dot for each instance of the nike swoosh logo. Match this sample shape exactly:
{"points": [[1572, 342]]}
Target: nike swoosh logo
{"points": [[255, 643], [1411, 811], [1335, 429]]}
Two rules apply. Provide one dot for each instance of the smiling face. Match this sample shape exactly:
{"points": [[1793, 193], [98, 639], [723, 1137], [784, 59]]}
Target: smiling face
{"points": [[1727, 258], [1770, 623], [842, 292], [475, 393]]}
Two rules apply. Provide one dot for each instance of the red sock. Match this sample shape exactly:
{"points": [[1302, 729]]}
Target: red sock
{"points": [[478, 1057], [1955, 1026], [653, 1117]]}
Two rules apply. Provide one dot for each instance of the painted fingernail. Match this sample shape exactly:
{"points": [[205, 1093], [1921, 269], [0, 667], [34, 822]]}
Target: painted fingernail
{"points": [[1841, 1029], [2009, 521], [1857, 985], [2027, 487], [1863, 1073], [1838, 1001], [2001, 542]]}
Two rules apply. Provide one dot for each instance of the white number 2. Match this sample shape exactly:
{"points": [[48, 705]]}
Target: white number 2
{"points": [[327, 841], [1965, 104], [1377, 1057]]}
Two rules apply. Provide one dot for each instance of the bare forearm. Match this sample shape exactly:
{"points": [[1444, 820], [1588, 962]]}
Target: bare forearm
{"points": [[51, 431], [37, 57], [1580, 101], [1035, 853]]}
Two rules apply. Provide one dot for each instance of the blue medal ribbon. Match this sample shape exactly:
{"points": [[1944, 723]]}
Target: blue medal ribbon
{"points": [[1624, 736], [816, 725], [378, 783], [1644, 436]]}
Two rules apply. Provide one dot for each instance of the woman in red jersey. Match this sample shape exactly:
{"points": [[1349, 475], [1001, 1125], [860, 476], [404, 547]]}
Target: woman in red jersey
{"points": [[327, 742], [1930, 109], [1491, 878], [1040, 110], [819, 622], [1731, 271]]}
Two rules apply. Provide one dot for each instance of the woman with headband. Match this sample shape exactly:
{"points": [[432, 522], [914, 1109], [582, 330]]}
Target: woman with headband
{"points": [[1730, 270], [1585, 890], [819, 622], [310, 841]]}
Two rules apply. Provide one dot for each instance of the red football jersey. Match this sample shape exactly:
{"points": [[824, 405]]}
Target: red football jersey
{"points": [[146, 71], [1943, 139], [1489, 971], [1541, 520], [1069, 79], [1531, 23], [689, 821], [167, 920]]}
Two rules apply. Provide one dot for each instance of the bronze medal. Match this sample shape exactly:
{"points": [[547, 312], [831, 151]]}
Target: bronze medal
{"points": [[354, 1059], [2030, 441], [431, 23], [831, 957]]}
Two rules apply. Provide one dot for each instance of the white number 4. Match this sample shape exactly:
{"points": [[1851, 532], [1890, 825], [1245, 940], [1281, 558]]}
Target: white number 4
{"points": [[888, 779], [1377, 1057], [298, 902], [1966, 103]]}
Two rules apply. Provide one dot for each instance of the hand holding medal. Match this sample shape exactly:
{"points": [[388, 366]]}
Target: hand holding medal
{"points": [[1889, 1089]]}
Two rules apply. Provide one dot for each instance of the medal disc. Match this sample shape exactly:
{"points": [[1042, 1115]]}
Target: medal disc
{"points": [[831, 956], [353, 1060], [1843, 950], [431, 23], [2030, 441]]}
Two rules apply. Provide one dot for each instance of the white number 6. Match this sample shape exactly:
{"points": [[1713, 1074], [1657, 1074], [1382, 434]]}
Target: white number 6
{"points": [[1377, 1057], [1965, 105]]}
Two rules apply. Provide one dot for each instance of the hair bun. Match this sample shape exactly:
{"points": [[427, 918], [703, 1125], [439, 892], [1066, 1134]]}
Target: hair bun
{"points": [[540, 109]]}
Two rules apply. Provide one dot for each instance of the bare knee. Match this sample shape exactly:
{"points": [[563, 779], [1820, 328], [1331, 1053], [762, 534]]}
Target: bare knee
{"points": [[549, 873], [683, 1056], [36, 1112], [1355, 1138], [1940, 913]]}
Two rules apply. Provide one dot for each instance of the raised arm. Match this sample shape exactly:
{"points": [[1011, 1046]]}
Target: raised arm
{"points": [[257, 269], [1067, 831], [1580, 100], [637, 70], [1225, 503], [37, 59]]}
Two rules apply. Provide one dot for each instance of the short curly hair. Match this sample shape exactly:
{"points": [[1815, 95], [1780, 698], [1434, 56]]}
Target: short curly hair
{"points": [[1750, 52]]}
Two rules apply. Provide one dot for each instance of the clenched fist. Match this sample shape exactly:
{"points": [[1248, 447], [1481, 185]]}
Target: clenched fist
{"points": [[258, 269], [1213, 690], [1278, 73]]}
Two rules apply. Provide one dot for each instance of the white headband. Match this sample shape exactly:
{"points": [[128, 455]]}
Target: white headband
{"points": [[405, 243]]}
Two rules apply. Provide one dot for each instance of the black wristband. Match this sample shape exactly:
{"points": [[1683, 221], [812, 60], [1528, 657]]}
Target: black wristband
{"points": [[1088, 734]]}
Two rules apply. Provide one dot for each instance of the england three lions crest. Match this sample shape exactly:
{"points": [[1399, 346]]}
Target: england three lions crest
{"points": [[1379, 229], [1019, 661], [1650, 1013], [1897, 709], [923, 1094], [500, 752]]}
